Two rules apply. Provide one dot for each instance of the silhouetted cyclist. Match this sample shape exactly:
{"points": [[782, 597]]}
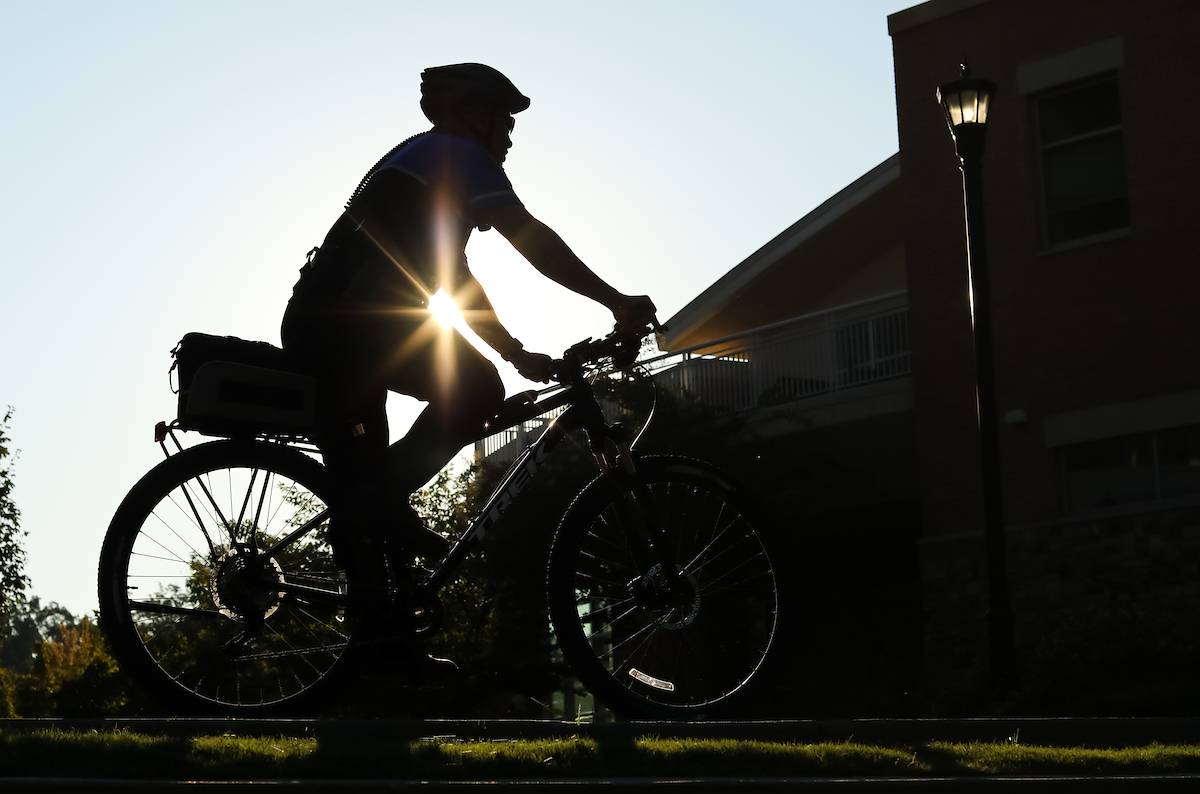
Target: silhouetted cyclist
{"points": [[359, 316]]}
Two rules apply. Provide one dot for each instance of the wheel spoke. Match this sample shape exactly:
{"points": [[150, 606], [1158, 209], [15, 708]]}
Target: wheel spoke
{"points": [[634, 653], [212, 549], [294, 652], [220, 494], [311, 616], [208, 508], [315, 594], [298, 532], [611, 563], [172, 609], [721, 554], [275, 512], [635, 635], [594, 612], [716, 537], [229, 493], [607, 542], [294, 649], [609, 626], [156, 542], [171, 529], [156, 557], [258, 511], [716, 523], [246, 503], [705, 637]]}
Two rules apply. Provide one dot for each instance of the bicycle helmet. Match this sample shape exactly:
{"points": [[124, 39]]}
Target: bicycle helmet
{"points": [[445, 89]]}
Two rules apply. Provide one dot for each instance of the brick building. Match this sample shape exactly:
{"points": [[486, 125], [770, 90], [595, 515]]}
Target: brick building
{"points": [[1090, 215], [1089, 168]]}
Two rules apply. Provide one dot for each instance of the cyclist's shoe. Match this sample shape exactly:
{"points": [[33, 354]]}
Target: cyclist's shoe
{"points": [[401, 526]]}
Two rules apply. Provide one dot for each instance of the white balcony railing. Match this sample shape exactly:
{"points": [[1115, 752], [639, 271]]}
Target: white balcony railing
{"points": [[808, 356], [815, 354]]}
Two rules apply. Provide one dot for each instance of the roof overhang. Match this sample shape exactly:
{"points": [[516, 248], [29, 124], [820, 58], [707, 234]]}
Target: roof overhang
{"points": [[712, 300], [927, 12]]}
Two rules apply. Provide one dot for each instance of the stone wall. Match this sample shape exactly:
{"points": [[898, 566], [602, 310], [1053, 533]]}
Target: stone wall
{"points": [[1106, 610]]}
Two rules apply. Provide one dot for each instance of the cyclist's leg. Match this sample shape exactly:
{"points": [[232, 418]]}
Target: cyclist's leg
{"points": [[363, 358], [352, 426], [354, 433], [463, 391]]}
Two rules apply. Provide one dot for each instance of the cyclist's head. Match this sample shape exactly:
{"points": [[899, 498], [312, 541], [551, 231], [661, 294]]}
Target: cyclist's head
{"points": [[474, 98]]}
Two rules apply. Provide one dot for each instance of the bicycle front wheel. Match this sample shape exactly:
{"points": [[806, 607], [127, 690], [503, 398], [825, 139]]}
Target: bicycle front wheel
{"points": [[648, 644], [197, 606]]}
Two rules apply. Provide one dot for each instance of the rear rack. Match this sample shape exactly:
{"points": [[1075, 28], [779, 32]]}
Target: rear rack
{"points": [[167, 430]]}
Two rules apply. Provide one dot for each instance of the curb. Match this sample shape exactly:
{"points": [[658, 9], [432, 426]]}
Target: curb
{"points": [[1042, 731], [1140, 783]]}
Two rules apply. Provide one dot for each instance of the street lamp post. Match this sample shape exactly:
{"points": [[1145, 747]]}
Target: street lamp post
{"points": [[966, 103]]}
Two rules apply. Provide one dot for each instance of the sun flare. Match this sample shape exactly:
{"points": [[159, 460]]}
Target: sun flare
{"points": [[445, 310]]}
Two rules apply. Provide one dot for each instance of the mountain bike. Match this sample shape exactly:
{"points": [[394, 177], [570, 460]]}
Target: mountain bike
{"points": [[223, 590]]}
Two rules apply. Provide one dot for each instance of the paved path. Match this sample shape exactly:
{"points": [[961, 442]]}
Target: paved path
{"points": [[1134, 783]]}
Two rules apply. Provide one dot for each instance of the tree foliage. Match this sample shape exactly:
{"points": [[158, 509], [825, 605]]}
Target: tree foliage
{"points": [[31, 624], [13, 581], [57, 664]]}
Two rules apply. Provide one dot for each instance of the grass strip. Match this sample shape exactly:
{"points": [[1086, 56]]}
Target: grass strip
{"points": [[136, 756], [1019, 759]]}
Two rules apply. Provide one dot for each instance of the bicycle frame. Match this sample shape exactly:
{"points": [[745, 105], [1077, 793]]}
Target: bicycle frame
{"points": [[521, 472], [613, 456]]}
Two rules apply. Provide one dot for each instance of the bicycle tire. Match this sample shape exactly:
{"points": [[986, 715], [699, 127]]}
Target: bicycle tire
{"points": [[129, 627], [590, 583]]}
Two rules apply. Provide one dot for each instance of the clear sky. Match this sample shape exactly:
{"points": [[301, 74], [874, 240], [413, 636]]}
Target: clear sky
{"points": [[165, 167]]}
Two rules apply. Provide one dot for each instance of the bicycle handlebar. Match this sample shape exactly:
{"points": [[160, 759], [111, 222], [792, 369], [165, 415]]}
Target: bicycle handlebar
{"points": [[622, 348]]}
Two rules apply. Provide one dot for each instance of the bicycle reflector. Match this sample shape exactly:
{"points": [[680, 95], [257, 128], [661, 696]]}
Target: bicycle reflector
{"points": [[160, 432]]}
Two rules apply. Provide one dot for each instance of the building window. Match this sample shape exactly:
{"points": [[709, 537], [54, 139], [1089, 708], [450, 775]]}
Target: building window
{"points": [[1179, 461], [1139, 468], [1082, 162]]}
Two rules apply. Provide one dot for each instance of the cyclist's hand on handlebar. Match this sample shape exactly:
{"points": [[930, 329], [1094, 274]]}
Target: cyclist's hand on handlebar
{"points": [[532, 366], [633, 313]]}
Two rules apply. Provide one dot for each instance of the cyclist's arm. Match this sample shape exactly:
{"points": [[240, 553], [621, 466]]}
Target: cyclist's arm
{"points": [[549, 255], [479, 313]]}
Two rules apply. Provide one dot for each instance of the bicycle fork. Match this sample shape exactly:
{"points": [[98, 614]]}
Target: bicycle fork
{"points": [[639, 516]]}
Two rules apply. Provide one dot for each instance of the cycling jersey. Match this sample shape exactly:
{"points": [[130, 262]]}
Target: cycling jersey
{"points": [[402, 236], [460, 173], [407, 225]]}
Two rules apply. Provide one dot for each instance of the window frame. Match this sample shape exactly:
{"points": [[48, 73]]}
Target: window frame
{"points": [[1039, 149], [1156, 499]]}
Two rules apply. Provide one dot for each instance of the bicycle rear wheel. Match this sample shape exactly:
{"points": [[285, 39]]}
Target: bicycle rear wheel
{"points": [[193, 608], [650, 645]]}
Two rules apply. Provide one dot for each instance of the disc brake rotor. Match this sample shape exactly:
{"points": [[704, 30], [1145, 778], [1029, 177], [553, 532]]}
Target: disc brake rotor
{"points": [[674, 605], [244, 587]]}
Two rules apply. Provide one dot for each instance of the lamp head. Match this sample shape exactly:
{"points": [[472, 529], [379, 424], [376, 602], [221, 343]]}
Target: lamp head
{"points": [[965, 103]]}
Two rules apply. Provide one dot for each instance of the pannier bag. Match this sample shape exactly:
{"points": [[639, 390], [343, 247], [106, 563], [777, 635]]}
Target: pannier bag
{"points": [[231, 387]]}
